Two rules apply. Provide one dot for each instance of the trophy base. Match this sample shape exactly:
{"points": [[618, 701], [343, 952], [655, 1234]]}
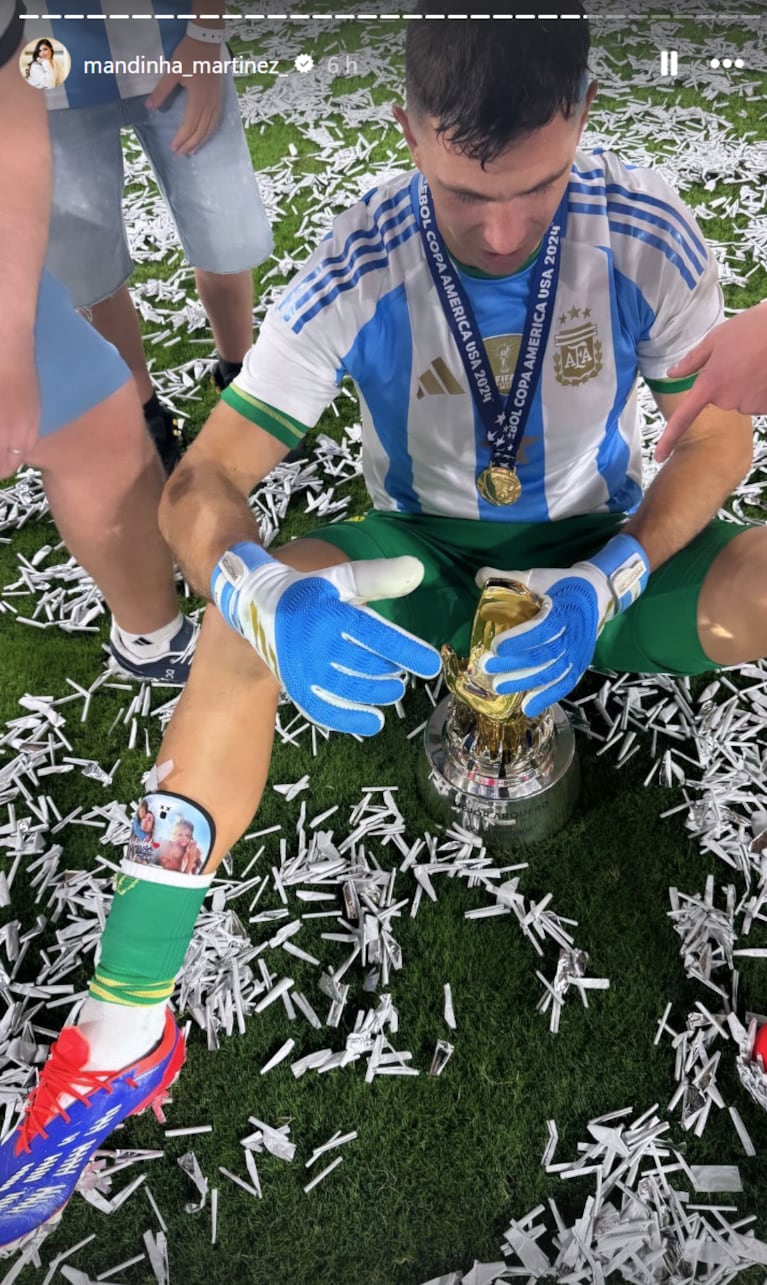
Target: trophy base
{"points": [[514, 804]]}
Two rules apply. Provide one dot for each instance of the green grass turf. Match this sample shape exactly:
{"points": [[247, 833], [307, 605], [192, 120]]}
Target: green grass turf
{"points": [[440, 1165]]}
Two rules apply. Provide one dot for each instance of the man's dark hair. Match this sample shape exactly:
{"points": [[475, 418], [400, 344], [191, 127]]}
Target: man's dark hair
{"points": [[489, 81]]}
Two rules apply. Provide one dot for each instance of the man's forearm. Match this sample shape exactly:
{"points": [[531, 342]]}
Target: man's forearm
{"points": [[204, 508], [202, 514], [690, 489], [25, 164]]}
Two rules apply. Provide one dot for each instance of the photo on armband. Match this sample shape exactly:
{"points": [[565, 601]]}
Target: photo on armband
{"points": [[163, 834]]}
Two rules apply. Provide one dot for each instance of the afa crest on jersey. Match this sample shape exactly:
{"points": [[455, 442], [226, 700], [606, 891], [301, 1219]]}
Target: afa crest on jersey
{"points": [[578, 350]]}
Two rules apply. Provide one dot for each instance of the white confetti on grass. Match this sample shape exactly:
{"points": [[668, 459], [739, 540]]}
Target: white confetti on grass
{"points": [[639, 1225]]}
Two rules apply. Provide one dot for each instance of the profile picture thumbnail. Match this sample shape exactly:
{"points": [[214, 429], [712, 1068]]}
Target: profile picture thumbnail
{"points": [[45, 63]]}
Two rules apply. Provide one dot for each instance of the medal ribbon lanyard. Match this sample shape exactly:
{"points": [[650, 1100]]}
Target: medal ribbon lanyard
{"points": [[504, 421]]}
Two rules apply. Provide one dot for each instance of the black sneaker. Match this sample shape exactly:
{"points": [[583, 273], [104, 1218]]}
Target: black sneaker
{"points": [[165, 431], [220, 380], [300, 452]]}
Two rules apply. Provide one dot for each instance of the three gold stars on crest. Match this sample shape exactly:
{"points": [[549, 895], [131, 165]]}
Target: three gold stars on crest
{"points": [[574, 313]]}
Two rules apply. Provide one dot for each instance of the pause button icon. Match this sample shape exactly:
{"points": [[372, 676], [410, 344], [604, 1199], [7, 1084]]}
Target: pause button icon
{"points": [[669, 62]]}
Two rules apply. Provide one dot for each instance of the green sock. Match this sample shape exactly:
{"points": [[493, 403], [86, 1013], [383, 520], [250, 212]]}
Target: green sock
{"points": [[145, 939]]}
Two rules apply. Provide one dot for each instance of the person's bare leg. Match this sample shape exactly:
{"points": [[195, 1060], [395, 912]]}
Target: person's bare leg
{"points": [[219, 741], [228, 302], [220, 737], [732, 607], [117, 320], [103, 480], [211, 771]]}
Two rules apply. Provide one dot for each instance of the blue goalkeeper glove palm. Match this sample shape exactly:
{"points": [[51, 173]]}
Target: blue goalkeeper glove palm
{"points": [[546, 656], [337, 660]]}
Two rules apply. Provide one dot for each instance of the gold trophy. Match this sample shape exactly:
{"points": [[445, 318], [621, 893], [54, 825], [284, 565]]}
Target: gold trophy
{"points": [[510, 778]]}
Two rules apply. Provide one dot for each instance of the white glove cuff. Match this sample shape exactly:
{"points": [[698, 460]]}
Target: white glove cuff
{"points": [[626, 569]]}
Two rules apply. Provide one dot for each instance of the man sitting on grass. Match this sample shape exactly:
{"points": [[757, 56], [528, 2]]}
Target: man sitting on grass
{"points": [[494, 309]]}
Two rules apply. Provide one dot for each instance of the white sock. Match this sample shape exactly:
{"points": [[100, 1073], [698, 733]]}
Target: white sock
{"points": [[114, 1038], [149, 646], [119, 1034]]}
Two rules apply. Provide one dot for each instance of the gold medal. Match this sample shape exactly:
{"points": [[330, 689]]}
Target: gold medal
{"points": [[499, 485]]}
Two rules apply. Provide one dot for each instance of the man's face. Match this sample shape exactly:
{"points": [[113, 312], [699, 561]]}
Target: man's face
{"points": [[494, 218]]}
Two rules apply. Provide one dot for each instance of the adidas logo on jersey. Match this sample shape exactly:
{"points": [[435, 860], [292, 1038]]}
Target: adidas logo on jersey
{"points": [[438, 378]]}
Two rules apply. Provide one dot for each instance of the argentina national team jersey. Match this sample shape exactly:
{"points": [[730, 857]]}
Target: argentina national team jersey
{"points": [[152, 33], [638, 288]]}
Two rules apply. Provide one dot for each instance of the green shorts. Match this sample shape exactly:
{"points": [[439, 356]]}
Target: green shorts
{"points": [[657, 634]]}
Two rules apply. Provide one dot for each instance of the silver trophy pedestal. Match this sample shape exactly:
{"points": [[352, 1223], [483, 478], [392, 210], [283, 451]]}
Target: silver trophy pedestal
{"points": [[511, 799]]}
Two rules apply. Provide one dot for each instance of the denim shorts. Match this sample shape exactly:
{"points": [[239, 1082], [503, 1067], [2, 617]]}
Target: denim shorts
{"points": [[76, 368], [212, 195]]}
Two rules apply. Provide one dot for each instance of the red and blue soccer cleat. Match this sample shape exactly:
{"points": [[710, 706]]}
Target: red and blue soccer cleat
{"points": [[42, 1160]]}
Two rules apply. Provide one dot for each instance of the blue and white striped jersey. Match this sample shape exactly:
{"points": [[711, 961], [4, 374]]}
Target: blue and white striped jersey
{"points": [[638, 288], [141, 41]]}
